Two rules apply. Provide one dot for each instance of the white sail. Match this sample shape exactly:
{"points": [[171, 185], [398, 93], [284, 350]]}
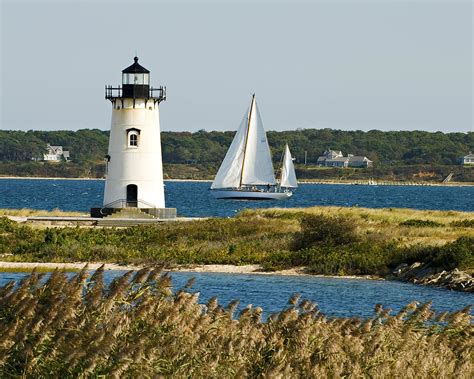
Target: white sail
{"points": [[228, 175], [257, 165], [288, 175], [248, 160]]}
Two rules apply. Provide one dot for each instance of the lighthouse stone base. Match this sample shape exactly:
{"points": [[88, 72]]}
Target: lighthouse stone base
{"points": [[134, 213]]}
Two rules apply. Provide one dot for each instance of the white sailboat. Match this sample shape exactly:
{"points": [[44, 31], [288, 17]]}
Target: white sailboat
{"points": [[246, 173], [288, 174]]}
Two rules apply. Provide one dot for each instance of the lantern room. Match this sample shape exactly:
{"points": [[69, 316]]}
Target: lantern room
{"points": [[135, 85], [136, 81]]}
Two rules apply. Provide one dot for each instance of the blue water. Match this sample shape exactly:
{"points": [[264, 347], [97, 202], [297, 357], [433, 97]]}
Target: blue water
{"points": [[334, 296], [193, 199]]}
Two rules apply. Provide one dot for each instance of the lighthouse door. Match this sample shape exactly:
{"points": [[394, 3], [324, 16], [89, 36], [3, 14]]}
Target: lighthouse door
{"points": [[132, 195]]}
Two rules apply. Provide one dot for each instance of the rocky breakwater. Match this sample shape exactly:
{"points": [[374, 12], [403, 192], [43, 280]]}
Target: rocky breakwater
{"points": [[419, 273]]}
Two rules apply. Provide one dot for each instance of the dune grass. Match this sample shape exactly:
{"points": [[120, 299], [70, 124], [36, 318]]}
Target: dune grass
{"points": [[26, 212], [139, 327], [326, 240], [389, 223]]}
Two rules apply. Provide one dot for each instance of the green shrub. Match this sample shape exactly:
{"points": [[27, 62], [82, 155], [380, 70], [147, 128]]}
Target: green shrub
{"points": [[468, 223], [421, 223], [324, 230], [457, 254], [280, 260], [360, 258], [7, 225]]}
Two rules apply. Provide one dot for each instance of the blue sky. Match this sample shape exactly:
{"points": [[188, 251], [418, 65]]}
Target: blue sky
{"points": [[388, 65]]}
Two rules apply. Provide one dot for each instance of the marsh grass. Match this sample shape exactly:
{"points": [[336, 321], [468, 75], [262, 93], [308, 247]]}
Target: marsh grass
{"points": [[421, 223], [326, 240], [467, 223], [25, 212], [138, 327]]}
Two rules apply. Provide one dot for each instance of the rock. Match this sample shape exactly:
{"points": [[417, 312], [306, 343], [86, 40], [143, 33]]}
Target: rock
{"points": [[400, 269], [435, 279], [424, 274], [415, 265]]}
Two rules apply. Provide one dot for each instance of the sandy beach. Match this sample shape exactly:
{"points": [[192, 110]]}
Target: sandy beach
{"points": [[225, 269]]}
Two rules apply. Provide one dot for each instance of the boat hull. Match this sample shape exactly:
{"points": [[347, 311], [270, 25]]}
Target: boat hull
{"points": [[250, 195]]}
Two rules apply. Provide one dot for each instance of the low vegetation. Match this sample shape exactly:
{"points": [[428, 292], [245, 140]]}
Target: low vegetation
{"points": [[26, 212], [139, 327], [326, 240], [421, 223]]}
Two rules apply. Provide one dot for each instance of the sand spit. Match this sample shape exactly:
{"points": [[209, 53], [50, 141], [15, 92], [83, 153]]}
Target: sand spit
{"points": [[224, 269]]}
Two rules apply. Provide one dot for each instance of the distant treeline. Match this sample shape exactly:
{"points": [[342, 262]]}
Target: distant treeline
{"points": [[413, 156], [209, 148]]}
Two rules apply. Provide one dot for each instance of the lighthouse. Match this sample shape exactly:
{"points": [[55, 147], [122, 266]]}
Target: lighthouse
{"points": [[134, 171]]}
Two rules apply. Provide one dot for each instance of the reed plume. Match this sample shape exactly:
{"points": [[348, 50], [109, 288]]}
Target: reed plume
{"points": [[138, 327]]}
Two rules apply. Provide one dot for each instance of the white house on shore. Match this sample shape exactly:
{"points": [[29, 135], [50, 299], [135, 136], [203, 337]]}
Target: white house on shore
{"points": [[468, 159], [334, 158], [55, 153]]}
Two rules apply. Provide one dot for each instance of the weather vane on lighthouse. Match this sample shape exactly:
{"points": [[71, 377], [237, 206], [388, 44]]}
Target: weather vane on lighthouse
{"points": [[134, 171]]}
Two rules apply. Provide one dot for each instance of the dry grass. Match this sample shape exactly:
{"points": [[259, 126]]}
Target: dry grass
{"points": [[384, 224], [25, 212], [138, 328]]}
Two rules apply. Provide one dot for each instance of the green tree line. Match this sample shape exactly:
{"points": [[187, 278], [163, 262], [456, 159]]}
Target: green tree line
{"points": [[392, 147]]}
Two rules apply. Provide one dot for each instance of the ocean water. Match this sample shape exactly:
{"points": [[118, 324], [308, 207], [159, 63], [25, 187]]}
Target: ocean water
{"points": [[334, 296], [193, 199]]}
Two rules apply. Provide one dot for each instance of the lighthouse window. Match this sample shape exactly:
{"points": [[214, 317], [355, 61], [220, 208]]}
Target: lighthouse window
{"points": [[133, 139], [136, 78]]}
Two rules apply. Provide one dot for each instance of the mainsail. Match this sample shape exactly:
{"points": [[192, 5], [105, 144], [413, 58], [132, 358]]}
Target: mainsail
{"points": [[288, 175], [248, 160], [228, 175]]}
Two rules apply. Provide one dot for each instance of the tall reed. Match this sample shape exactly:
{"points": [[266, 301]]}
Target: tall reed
{"points": [[138, 327]]}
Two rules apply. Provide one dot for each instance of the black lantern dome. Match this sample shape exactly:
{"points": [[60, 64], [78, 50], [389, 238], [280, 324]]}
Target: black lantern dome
{"points": [[135, 68], [135, 85]]}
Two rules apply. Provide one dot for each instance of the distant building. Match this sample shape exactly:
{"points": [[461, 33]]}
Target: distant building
{"points": [[55, 153], [359, 161], [468, 159], [333, 158]]}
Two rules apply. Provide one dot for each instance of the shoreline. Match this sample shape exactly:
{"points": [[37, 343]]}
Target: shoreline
{"points": [[62, 178], [450, 280], [218, 269], [337, 182]]}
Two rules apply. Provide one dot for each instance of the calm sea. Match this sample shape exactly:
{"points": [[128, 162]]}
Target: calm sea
{"points": [[334, 296], [194, 198]]}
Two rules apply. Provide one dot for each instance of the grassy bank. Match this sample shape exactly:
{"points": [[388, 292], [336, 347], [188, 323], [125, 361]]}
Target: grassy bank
{"points": [[139, 327], [326, 240], [26, 212]]}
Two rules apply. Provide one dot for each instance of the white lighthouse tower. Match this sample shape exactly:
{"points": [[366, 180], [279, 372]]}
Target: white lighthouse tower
{"points": [[134, 177]]}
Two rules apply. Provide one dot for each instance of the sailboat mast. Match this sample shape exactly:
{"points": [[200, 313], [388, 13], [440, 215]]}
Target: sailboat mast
{"points": [[282, 162], [246, 140]]}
